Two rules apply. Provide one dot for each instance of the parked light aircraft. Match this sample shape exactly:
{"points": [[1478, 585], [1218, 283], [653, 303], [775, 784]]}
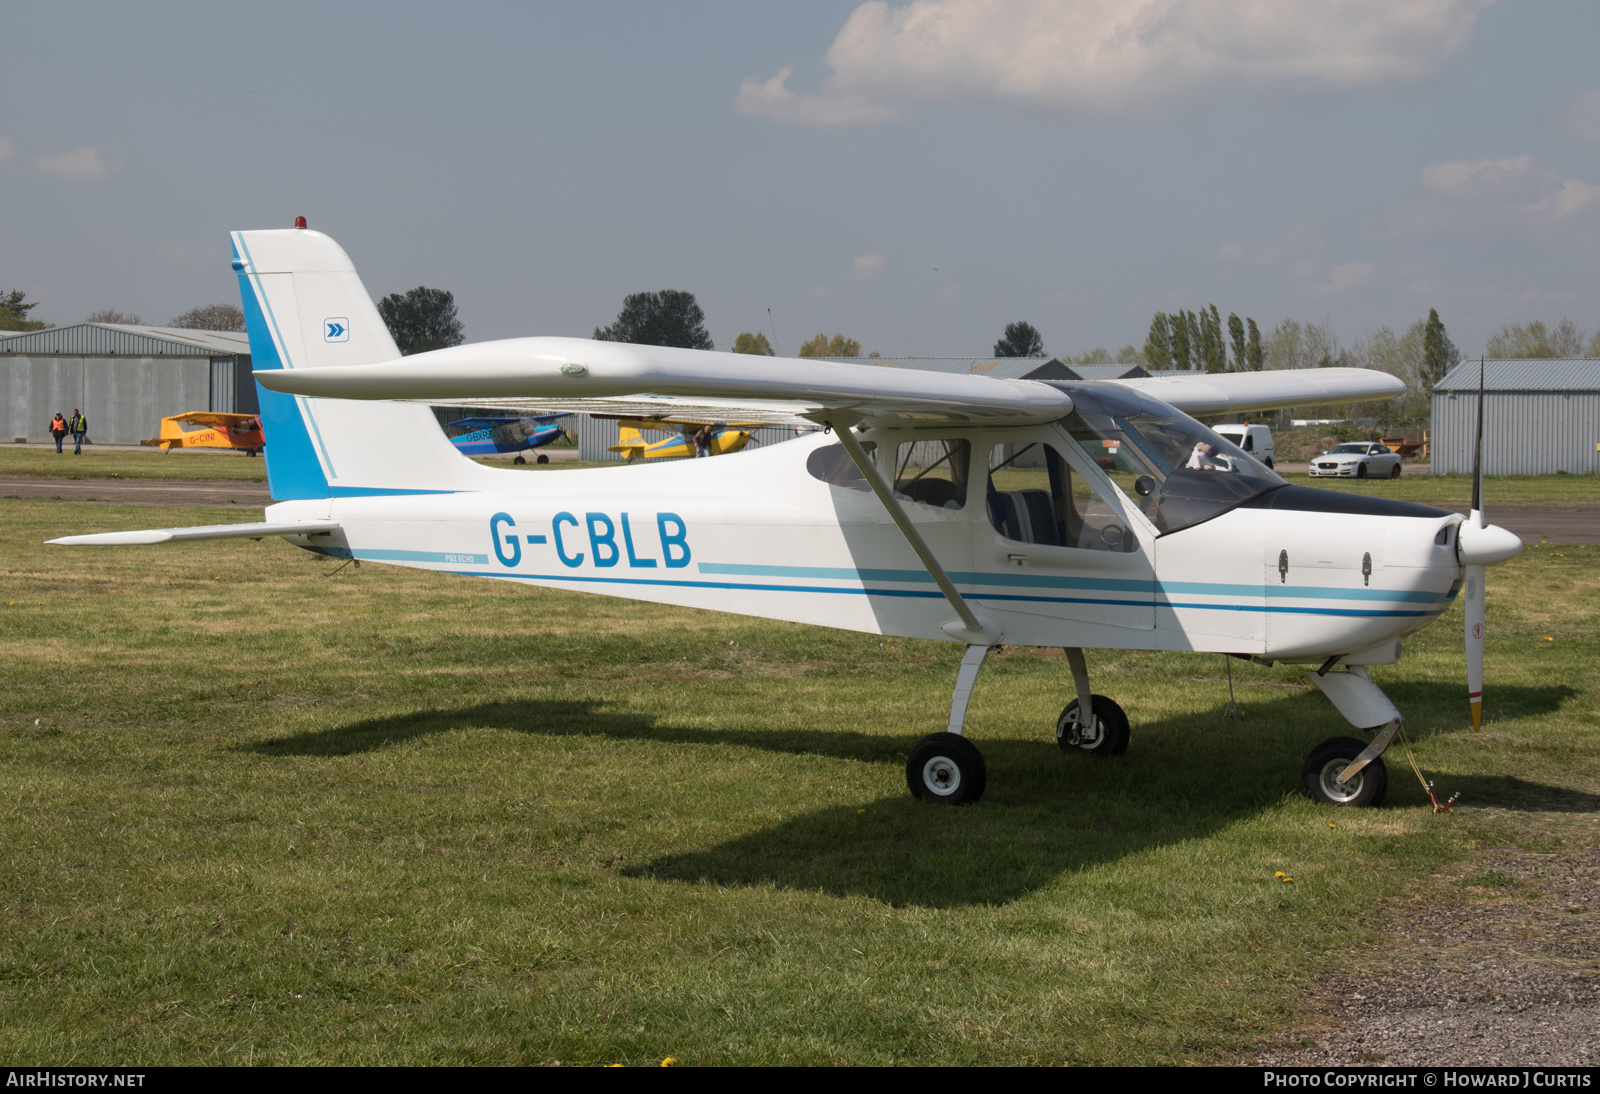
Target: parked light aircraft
{"points": [[900, 519], [484, 436], [725, 439], [210, 429]]}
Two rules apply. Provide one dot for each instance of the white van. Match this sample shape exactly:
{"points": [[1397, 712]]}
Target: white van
{"points": [[1254, 439]]}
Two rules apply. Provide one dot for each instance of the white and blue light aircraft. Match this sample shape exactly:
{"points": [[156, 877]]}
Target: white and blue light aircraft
{"points": [[906, 516]]}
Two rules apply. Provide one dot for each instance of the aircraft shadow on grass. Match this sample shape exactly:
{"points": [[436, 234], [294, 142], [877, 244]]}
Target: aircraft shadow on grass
{"points": [[1045, 814]]}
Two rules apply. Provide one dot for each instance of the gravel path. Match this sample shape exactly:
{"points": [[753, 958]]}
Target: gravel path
{"points": [[1509, 978]]}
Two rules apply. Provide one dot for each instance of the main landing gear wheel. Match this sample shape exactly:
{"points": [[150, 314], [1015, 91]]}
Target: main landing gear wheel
{"points": [[518, 460], [1107, 737], [542, 458], [1319, 777], [946, 768]]}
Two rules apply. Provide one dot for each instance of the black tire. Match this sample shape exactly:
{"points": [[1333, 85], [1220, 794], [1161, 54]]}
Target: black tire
{"points": [[1394, 472], [1109, 736], [1269, 463], [1322, 767], [542, 458], [518, 460], [1361, 471], [946, 768]]}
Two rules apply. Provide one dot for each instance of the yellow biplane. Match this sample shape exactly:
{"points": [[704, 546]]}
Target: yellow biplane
{"points": [[722, 438], [207, 429]]}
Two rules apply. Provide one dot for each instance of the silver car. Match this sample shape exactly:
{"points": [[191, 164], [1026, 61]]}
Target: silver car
{"points": [[1357, 460]]}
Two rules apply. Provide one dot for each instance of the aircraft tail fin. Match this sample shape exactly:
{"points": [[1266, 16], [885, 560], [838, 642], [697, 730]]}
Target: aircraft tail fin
{"points": [[305, 307], [630, 442]]}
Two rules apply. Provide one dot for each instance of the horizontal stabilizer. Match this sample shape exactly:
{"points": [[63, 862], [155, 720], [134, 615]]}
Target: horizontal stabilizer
{"points": [[252, 530], [1230, 392]]}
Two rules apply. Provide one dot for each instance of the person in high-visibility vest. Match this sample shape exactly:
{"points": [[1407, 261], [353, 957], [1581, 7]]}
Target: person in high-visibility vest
{"points": [[58, 430], [79, 425]]}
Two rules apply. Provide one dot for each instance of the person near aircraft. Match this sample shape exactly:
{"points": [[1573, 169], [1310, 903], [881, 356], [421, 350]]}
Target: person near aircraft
{"points": [[58, 430], [702, 442], [80, 428]]}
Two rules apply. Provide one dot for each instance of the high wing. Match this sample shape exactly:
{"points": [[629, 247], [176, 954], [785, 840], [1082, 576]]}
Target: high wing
{"points": [[619, 378], [658, 381], [683, 425], [211, 418], [251, 530], [481, 422], [1230, 392]]}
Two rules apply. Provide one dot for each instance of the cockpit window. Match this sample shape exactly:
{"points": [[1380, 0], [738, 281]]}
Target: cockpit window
{"points": [[1049, 504], [1176, 470], [833, 465], [933, 472]]}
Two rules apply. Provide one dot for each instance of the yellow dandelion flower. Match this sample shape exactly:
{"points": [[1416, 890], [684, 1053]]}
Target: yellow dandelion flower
{"points": [[670, 1061]]}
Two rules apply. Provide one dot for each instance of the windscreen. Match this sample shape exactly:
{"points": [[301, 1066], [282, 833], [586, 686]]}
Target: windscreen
{"points": [[1163, 460]]}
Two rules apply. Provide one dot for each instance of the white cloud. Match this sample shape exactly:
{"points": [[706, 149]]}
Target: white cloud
{"points": [[5, 150], [1572, 197], [1114, 56], [1229, 252], [1583, 118], [1344, 277], [866, 266], [775, 101], [1511, 186], [1479, 178], [78, 165]]}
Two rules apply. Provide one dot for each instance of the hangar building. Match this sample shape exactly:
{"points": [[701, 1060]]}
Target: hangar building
{"points": [[1540, 416], [124, 378]]}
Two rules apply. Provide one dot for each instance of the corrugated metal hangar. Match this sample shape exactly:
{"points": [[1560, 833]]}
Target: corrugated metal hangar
{"points": [[1540, 416], [125, 379]]}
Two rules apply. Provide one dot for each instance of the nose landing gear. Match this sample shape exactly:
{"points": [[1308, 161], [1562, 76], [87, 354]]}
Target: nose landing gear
{"points": [[1320, 775]]}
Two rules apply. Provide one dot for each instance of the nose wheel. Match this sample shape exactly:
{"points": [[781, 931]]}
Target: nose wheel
{"points": [[1105, 735], [1320, 775]]}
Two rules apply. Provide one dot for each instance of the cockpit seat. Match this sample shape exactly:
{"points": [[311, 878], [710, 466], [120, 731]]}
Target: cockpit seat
{"points": [[1027, 516]]}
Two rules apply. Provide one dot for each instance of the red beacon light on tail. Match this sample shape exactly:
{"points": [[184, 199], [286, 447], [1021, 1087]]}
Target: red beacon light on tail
{"points": [[299, 222]]}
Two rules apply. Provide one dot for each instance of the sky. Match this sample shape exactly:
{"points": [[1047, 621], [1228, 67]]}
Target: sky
{"points": [[913, 175]]}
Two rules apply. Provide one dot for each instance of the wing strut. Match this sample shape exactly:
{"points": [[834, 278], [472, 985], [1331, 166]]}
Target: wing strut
{"points": [[968, 628]]}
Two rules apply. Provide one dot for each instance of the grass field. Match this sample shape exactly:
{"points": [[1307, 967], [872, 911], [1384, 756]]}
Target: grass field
{"points": [[255, 813], [130, 463], [1448, 490]]}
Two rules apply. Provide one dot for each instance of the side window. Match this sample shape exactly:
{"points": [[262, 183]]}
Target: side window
{"points": [[933, 472], [833, 465], [1249, 443], [1034, 497]]}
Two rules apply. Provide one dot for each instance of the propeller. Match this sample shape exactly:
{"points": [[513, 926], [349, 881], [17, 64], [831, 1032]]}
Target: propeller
{"points": [[1478, 546]]}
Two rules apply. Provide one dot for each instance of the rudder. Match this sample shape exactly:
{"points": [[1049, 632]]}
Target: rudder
{"points": [[305, 307]]}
